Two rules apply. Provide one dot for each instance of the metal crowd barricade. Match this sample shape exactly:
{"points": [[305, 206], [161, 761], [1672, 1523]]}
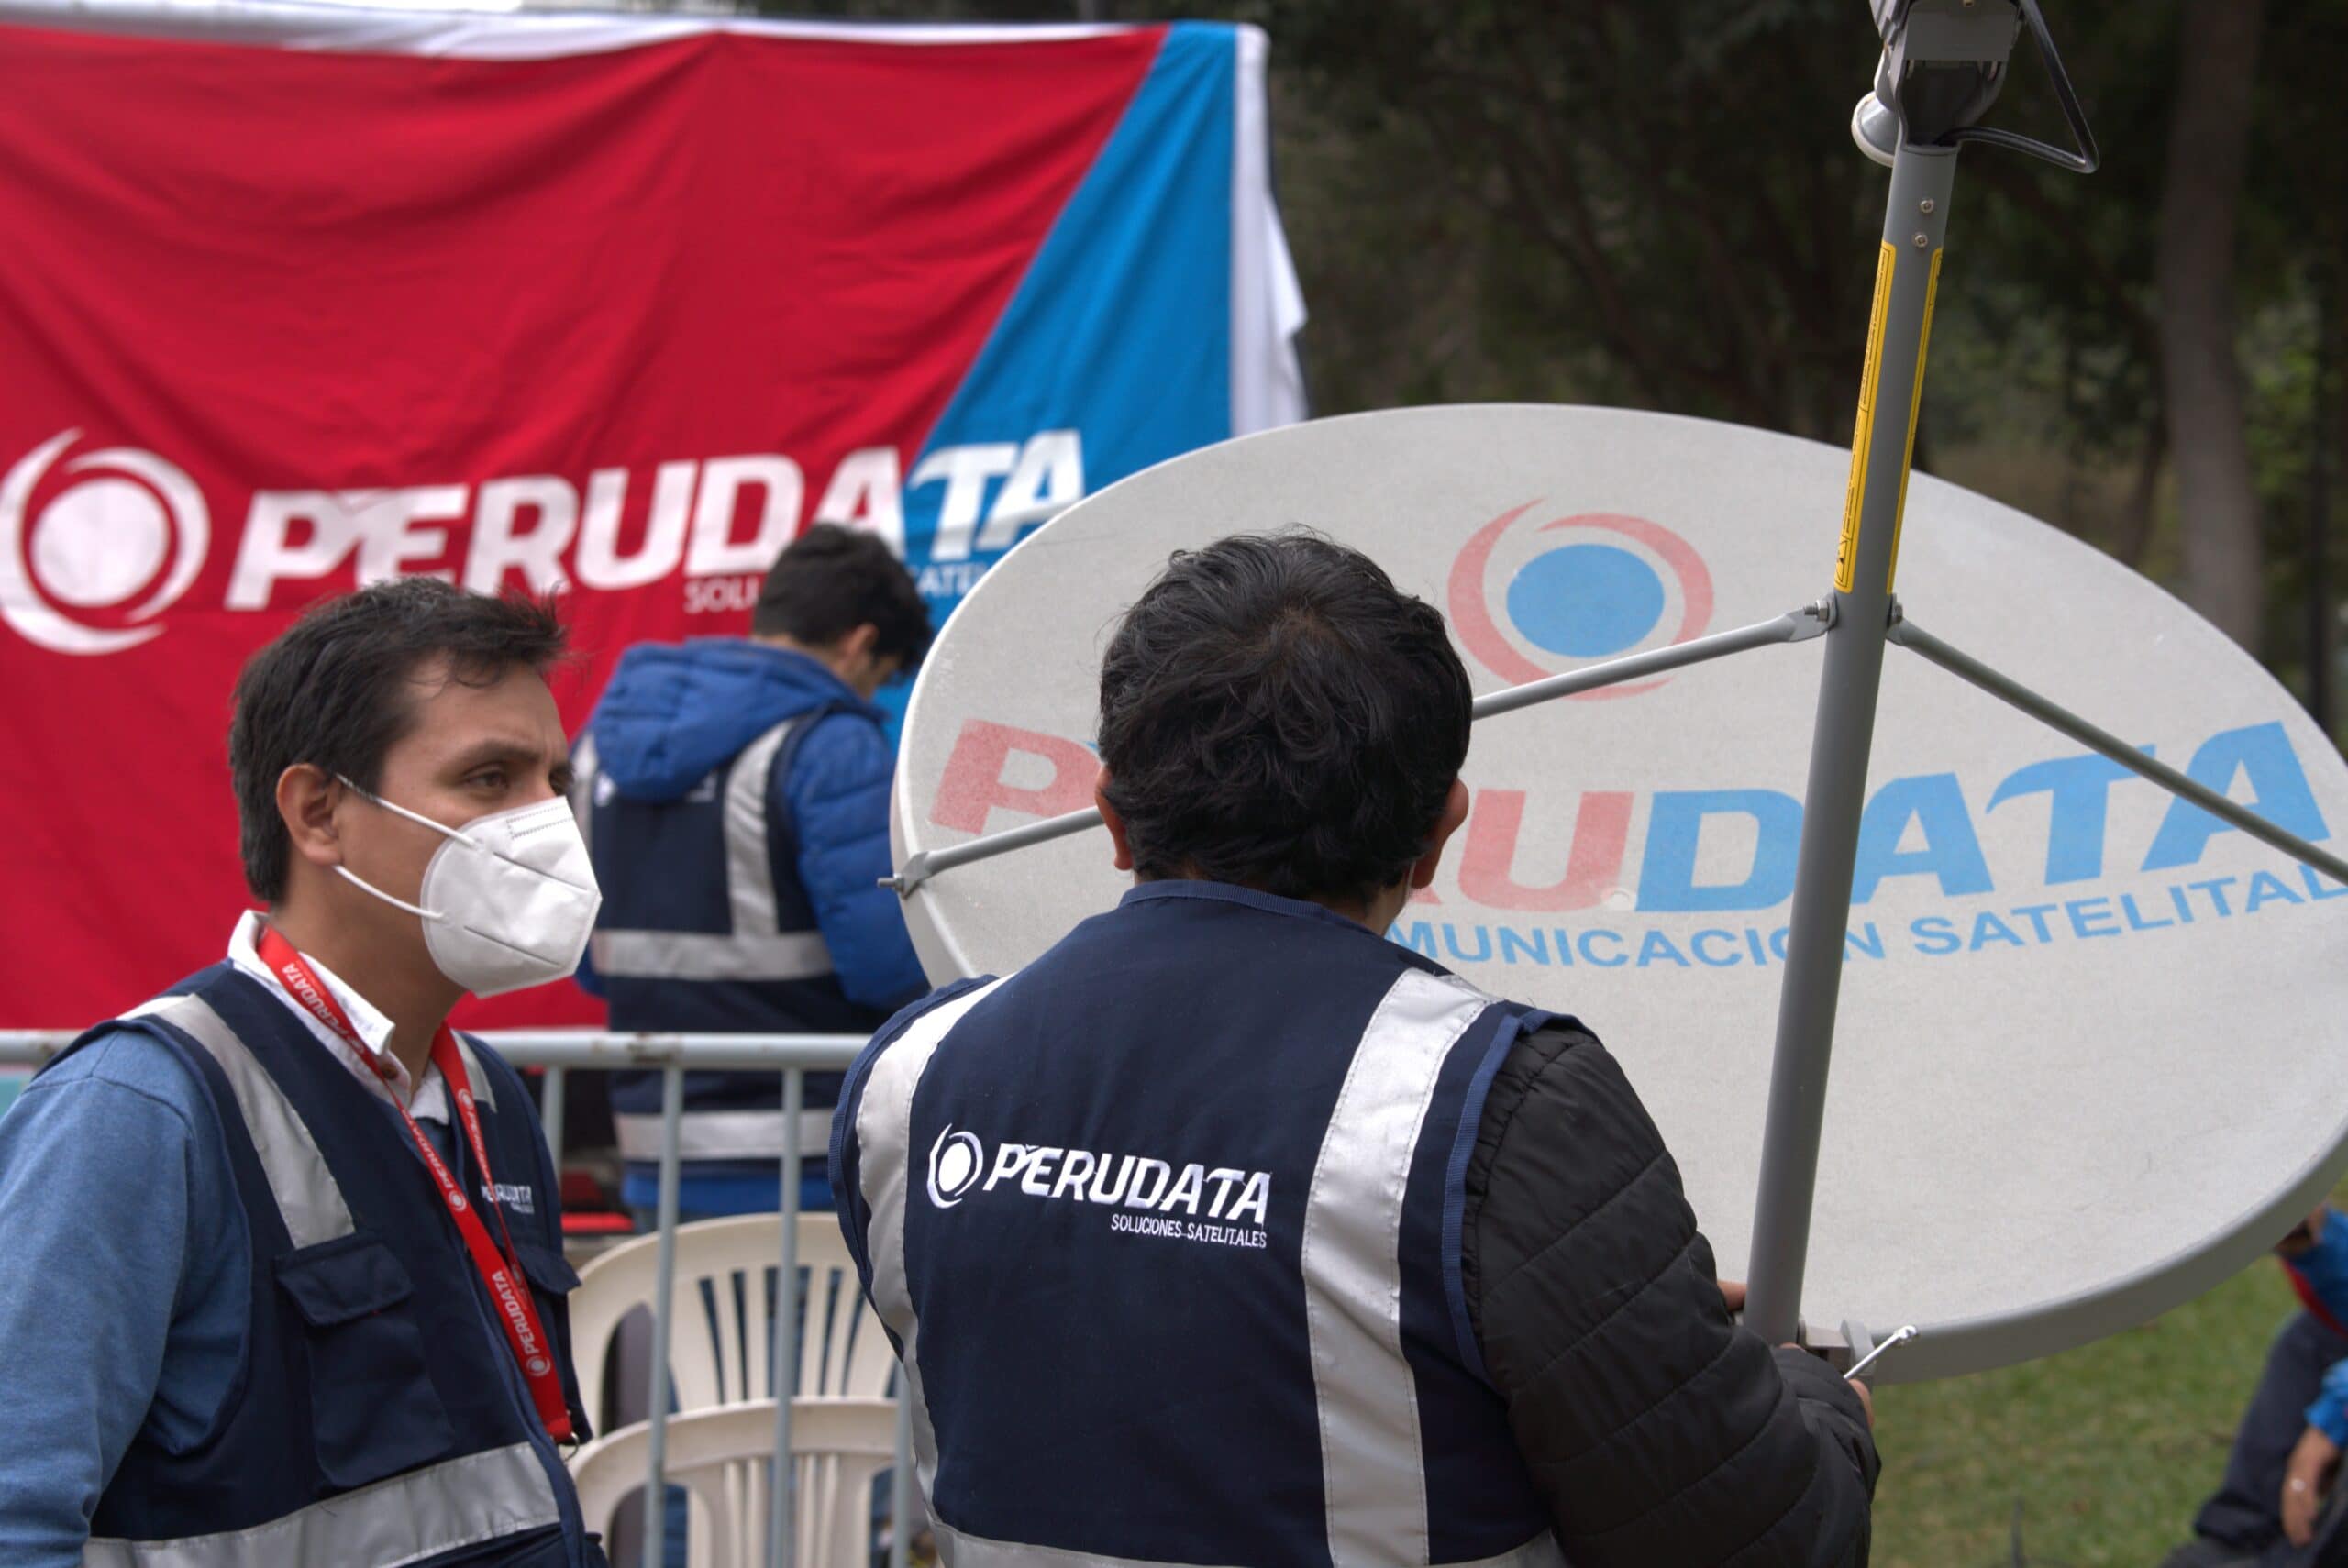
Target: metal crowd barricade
{"points": [[562, 1051]]}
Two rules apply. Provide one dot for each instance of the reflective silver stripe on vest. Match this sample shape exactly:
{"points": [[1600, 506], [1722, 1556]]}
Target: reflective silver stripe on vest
{"points": [[582, 787], [485, 1091], [750, 873], [706, 955], [957, 1550], [724, 1134], [757, 948], [884, 1120], [307, 1198], [463, 1502], [1372, 1467]]}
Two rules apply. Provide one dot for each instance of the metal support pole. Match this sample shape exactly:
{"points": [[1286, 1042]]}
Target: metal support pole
{"points": [[928, 863], [596, 1048], [1907, 269], [656, 1490], [901, 1479], [785, 1359], [2004, 687], [589, 1048], [550, 1115], [33, 1047], [1793, 626]]}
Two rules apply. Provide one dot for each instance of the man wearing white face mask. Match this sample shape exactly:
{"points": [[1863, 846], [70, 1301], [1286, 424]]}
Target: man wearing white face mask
{"points": [[285, 1265]]}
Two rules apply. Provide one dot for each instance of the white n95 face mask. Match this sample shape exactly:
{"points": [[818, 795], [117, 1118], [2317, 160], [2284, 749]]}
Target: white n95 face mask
{"points": [[509, 900]]}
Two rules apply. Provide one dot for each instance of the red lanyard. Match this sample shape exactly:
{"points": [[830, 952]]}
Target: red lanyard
{"points": [[515, 1310]]}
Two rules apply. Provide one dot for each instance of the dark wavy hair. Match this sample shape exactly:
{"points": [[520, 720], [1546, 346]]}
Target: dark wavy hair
{"points": [[830, 580], [337, 689], [1276, 713]]}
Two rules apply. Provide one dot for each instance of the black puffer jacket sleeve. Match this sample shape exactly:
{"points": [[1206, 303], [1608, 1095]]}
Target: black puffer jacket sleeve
{"points": [[1660, 1434]]}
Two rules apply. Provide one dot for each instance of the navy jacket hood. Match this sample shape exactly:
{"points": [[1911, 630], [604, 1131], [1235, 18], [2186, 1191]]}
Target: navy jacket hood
{"points": [[674, 712]]}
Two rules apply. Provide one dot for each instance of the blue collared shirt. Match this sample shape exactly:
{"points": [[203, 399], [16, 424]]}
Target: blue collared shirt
{"points": [[126, 1278]]}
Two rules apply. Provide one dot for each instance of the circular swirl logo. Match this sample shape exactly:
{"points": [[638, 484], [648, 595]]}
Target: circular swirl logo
{"points": [[1532, 601], [124, 524], [954, 1162]]}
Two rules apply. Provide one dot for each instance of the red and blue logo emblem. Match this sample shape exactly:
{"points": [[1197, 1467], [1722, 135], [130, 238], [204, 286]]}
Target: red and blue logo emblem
{"points": [[1529, 600]]}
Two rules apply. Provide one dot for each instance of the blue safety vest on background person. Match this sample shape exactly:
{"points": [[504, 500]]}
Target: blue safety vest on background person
{"points": [[1166, 1227], [382, 1418], [734, 799]]}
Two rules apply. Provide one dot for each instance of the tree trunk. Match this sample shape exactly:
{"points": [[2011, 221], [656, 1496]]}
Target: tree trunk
{"points": [[2208, 150], [2327, 432], [2133, 534]]}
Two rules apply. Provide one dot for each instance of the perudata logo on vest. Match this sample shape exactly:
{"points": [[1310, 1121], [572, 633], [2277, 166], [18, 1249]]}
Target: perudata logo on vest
{"points": [[1177, 1200], [1530, 599], [129, 523], [956, 1162]]}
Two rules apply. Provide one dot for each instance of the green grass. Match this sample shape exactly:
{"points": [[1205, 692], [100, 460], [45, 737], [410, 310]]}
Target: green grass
{"points": [[2108, 1448]]}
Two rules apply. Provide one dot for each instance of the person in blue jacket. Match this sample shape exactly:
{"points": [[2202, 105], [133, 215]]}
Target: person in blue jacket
{"points": [[2276, 1508], [735, 794]]}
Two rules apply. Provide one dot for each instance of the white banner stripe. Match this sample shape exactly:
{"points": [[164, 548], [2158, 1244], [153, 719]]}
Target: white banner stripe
{"points": [[463, 35]]}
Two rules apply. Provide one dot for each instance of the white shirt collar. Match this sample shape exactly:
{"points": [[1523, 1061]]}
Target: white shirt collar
{"points": [[426, 1101]]}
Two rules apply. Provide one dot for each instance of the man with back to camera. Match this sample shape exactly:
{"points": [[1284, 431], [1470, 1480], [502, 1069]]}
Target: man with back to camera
{"points": [[1229, 1232], [735, 795], [284, 1282]]}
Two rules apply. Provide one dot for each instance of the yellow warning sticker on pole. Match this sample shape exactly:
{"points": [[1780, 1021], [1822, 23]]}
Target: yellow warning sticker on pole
{"points": [[1915, 407], [1846, 559]]}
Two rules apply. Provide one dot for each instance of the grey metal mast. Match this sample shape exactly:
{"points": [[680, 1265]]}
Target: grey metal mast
{"points": [[1944, 62]]}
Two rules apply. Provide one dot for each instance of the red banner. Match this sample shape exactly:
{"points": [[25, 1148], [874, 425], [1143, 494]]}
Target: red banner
{"points": [[276, 322]]}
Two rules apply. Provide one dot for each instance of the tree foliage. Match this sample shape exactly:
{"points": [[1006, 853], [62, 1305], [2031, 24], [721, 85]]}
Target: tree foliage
{"points": [[1658, 204]]}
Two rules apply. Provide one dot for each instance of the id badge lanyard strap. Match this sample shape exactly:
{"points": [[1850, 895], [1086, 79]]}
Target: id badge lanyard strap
{"points": [[517, 1311]]}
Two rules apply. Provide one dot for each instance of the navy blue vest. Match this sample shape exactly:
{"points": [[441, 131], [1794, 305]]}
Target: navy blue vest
{"points": [[705, 928], [379, 1417], [1167, 1229]]}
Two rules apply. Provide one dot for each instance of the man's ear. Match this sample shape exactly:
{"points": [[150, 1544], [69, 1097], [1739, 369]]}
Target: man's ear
{"points": [[857, 645], [307, 799], [1123, 859], [1455, 811]]}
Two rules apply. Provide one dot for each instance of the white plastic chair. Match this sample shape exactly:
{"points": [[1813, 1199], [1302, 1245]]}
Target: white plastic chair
{"points": [[843, 1352], [722, 1457]]}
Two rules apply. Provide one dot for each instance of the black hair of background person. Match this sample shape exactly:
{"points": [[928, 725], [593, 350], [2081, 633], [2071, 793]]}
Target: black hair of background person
{"points": [[1275, 712], [331, 691], [830, 580]]}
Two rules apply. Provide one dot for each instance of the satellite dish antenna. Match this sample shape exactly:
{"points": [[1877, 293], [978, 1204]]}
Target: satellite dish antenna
{"points": [[2083, 1028], [2085, 977]]}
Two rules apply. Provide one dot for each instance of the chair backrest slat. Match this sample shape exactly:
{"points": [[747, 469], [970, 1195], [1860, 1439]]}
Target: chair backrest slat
{"points": [[723, 1457], [720, 1321]]}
